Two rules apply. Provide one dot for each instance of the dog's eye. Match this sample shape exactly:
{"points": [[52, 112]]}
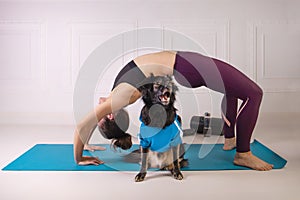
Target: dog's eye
{"points": [[155, 87]]}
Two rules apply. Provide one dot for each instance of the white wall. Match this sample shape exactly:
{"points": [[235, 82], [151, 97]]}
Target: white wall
{"points": [[43, 44]]}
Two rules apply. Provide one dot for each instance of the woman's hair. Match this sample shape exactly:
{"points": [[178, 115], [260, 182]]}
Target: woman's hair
{"points": [[116, 128]]}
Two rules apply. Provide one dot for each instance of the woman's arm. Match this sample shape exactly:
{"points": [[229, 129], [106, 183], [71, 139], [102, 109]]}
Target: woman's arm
{"points": [[120, 97], [83, 160], [93, 147], [82, 134]]}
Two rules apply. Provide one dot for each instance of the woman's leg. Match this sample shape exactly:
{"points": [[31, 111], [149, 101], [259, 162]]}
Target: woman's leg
{"points": [[240, 86], [195, 70], [247, 118], [229, 112]]}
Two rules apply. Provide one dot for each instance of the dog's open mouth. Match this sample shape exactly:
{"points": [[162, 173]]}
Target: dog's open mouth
{"points": [[165, 98]]}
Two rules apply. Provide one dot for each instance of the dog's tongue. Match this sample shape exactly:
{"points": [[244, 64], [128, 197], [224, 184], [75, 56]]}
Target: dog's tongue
{"points": [[163, 98]]}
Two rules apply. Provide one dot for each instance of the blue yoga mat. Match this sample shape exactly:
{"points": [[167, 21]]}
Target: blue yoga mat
{"points": [[59, 157]]}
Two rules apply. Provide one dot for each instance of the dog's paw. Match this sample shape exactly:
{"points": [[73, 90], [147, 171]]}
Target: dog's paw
{"points": [[140, 177], [177, 175]]}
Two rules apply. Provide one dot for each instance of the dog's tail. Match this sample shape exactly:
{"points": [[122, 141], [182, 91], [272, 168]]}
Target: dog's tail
{"points": [[133, 157]]}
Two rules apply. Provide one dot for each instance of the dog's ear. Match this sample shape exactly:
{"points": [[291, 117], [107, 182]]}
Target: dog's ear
{"points": [[172, 99], [146, 93], [145, 89], [174, 87], [169, 83], [146, 84]]}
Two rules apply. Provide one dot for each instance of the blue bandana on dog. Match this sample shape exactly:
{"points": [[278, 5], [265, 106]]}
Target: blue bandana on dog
{"points": [[158, 139]]}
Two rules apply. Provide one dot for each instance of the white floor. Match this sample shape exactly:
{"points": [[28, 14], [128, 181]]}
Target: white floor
{"points": [[279, 133]]}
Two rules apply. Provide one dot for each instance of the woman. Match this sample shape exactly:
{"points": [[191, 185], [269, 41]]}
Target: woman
{"points": [[192, 70]]}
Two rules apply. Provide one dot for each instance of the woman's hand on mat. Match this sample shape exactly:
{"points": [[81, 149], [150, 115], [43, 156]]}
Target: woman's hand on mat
{"points": [[88, 160], [93, 148]]}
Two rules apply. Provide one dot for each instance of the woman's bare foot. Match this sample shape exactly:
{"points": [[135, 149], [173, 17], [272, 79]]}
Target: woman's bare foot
{"points": [[247, 159], [229, 144]]}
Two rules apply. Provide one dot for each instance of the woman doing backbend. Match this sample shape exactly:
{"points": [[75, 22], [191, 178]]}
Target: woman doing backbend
{"points": [[192, 70]]}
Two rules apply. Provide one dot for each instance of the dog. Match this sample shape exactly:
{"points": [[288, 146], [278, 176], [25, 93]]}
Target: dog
{"points": [[160, 142]]}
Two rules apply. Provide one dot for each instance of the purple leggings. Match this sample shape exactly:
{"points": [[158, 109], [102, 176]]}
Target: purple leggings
{"points": [[196, 70]]}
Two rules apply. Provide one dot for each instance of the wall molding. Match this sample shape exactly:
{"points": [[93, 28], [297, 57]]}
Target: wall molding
{"points": [[216, 30], [99, 30], [257, 33], [36, 32], [219, 30]]}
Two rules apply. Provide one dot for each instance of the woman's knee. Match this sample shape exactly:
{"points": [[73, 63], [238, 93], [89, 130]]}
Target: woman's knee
{"points": [[259, 92], [256, 94]]}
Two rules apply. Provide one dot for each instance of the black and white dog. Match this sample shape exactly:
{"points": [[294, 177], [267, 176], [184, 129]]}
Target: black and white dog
{"points": [[161, 145]]}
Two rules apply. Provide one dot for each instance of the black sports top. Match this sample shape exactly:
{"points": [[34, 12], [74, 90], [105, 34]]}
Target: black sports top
{"points": [[130, 74]]}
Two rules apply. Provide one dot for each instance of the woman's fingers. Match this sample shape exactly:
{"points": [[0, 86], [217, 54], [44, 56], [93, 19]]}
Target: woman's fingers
{"points": [[87, 160]]}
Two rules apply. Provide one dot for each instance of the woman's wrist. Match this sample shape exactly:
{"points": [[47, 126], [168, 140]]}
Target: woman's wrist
{"points": [[78, 148]]}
